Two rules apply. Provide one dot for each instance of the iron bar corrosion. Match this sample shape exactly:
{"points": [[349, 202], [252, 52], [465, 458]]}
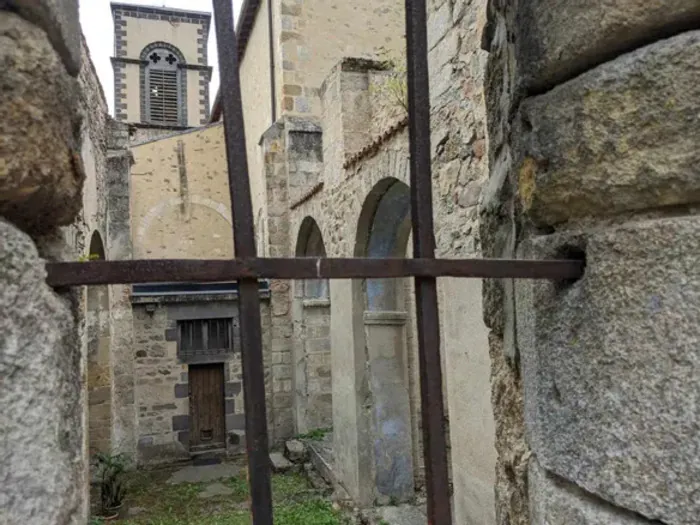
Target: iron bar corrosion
{"points": [[427, 320], [244, 246], [208, 271]]}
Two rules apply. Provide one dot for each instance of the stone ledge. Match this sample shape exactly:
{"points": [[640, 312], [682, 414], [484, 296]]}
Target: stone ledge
{"points": [[385, 317], [558, 40], [617, 139], [316, 303], [59, 18], [609, 366]]}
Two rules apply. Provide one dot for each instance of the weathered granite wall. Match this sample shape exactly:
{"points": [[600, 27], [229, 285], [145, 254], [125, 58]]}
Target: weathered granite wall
{"points": [[43, 480], [591, 113]]}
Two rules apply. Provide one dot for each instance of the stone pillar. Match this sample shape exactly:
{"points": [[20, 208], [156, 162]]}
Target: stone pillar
{"points": [[390, 408], [347, 115], [119, 247], [460, 170], [593, 156], [280, 374], [43, 472], [351, 392]]}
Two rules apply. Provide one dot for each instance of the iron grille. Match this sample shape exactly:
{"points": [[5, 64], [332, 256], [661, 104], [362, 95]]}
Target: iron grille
{"points": [[247, 268], [204, 338], [163, 96]]}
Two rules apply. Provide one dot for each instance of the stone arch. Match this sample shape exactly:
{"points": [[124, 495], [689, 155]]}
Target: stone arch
{"points": [[158, 215], [381, 342], [383, 231], [311, 316], [310, 244], [99, 373], [163, 57]]}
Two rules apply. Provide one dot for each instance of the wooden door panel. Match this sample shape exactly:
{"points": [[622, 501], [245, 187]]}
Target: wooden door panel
{"points": [[207, 405]]}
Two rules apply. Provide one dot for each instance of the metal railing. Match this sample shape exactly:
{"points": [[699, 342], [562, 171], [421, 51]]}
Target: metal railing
{"points": [[247, 268]]}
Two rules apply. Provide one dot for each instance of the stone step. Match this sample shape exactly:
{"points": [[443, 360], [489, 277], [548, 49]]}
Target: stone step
{"points": [[280, 463], [207, 456]]}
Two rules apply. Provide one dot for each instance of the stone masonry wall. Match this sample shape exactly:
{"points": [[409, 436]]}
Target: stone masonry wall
{"points": [[591, 112], [180, 197], [43, 480], [355, 164], [279, 368], [315, 35], [162, 391], [460, 169]]}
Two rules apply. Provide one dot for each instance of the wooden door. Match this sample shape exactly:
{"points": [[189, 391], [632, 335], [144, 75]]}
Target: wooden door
{"points": [[208, 427]]}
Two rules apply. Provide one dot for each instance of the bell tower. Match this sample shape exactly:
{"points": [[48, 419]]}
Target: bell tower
{"points": [[161, 66]]}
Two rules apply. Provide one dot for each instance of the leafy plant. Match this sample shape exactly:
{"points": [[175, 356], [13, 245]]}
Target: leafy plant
{"points": [[91, 257], [316, 434], [395, 87], [110, 470]]}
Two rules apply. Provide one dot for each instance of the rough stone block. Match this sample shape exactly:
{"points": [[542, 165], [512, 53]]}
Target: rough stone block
{"points": [[41, 175], [616, 139], [233, 389], [609, 365], [295, 451], [59, 18], [235, 422], [279, 462], [40, 393], [556, 502], [182, 391], [181, 422], [559, 39]]}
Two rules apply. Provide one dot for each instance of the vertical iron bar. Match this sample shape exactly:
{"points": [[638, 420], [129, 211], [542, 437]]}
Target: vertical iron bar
{"points": [[432, 405], [244, 245]]}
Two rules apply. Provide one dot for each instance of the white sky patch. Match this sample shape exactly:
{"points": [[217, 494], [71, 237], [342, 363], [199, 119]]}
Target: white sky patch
{"points": [[96, 19]]}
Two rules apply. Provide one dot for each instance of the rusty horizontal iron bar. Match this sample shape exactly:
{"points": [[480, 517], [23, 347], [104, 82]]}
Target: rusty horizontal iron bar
{"points": [[187, 270]]}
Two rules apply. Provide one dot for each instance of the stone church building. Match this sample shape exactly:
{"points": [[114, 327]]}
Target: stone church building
{"points": [[328, 156], [558, 130]]}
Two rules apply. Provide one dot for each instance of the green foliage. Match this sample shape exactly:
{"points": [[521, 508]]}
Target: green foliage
{"points": [[241, 491], [313, 512], [295, 502], [110, 470], [316, 434], [91, 257], [395, 88]]}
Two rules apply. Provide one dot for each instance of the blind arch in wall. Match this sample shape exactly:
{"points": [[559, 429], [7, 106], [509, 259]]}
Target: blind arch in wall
{"points": [[163, 85]]}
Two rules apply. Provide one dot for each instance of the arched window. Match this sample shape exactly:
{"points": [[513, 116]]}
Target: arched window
{"points": [[163, 85]]}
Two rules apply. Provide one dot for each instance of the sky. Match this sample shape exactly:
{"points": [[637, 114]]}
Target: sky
{"points": [[96, 19]]}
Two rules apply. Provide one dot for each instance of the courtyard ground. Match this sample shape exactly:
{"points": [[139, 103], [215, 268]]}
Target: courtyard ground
{"points": [[218, 495]]}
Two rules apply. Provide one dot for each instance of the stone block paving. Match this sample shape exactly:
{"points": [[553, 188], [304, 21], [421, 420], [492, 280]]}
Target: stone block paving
{"points": [[204, 474]]}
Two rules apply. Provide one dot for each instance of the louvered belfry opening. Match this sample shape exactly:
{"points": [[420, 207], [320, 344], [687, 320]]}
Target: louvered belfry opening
{"points": [[163, 89]]}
